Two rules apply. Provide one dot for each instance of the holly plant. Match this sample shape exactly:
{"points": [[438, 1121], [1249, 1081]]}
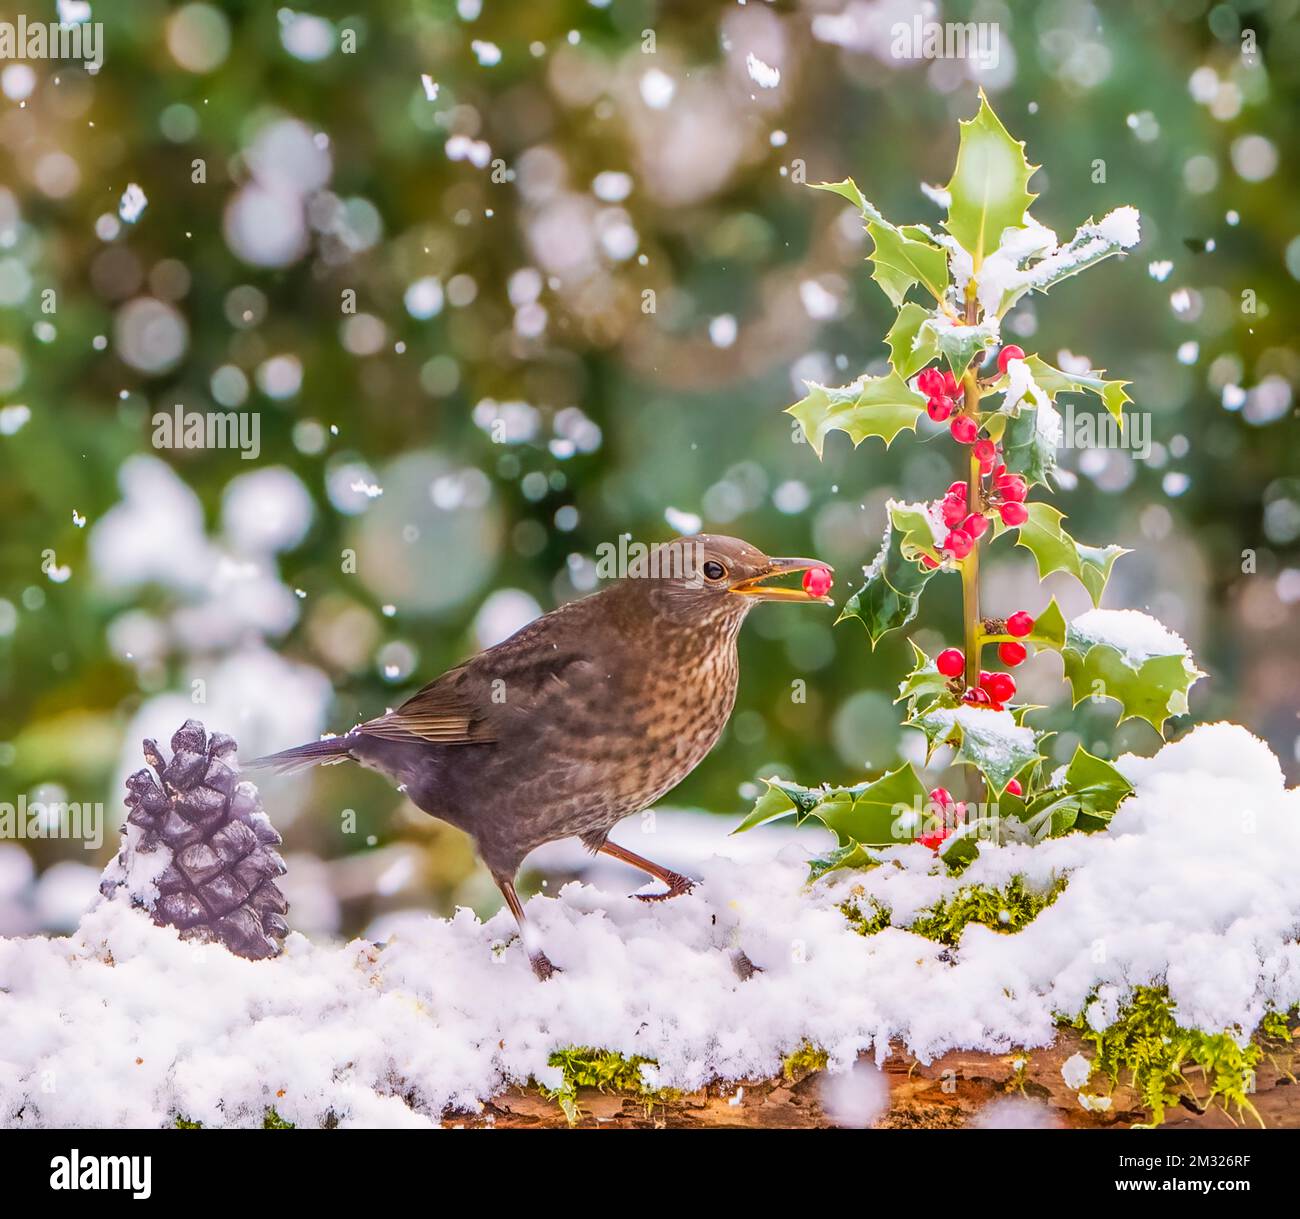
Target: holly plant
{"points": [[951, 290]]}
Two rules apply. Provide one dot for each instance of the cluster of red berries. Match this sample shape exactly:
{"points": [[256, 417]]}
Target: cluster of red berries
{"points": [[941, 390], [950, 813], [994, 689]]}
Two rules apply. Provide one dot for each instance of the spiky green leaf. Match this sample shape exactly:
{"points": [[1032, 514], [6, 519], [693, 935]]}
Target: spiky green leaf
{"points": [[871, 406], [911, 349], [1055, 550]]}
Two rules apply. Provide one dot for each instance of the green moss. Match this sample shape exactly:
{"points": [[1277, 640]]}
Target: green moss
{"points": [[271, 1120], [584, 1067], [1008, 909], [1148, 1045], [805, 1060], [861, 921], [184, 1123]]}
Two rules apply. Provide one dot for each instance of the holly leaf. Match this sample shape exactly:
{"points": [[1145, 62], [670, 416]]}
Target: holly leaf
{"points": [[910, 348], [1049, 628], [1055, 550], [881, 813], [1027, 448], [988, 189], [1148, 683], [1053, 381], [854, 855], [877, 813], [1090, 244], [904, 257], [871, 406], [987, 739], [890, 596]]}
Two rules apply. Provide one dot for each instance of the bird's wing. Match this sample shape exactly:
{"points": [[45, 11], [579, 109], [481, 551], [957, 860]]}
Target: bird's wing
{"points": [[443, 711]]}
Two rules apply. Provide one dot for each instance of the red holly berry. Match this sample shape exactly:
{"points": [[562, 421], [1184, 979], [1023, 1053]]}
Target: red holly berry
{"points": [[953, 510], [930, 382], [999, 471], [1014, 514], [959, 543], [949, 383], [934, 838], [1001, 687], [817, 581], [926, 561], [985, 452], [977, 695], [950, 662], [1012, 487], [975, 524], [957, 490], [1007, 354], [939, 408], [940, 796], [1019, 624], [1011, 653], [1014, 788], [964, 429]]}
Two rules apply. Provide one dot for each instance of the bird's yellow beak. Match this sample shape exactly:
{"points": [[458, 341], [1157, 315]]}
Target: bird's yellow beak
{"points": [[755, 586]]}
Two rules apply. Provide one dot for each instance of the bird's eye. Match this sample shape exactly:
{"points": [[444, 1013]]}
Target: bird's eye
{"points": [[714, 571]]}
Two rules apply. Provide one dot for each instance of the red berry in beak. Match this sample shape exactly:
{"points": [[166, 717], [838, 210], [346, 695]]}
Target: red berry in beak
{"points": [[1019, 624], [1007, 354], [964, 429], [950, 662], [1011, 653], [1014, 514], [817, 581]]}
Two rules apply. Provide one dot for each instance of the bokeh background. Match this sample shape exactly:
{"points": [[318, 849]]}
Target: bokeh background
{"points": [[433, 295]]}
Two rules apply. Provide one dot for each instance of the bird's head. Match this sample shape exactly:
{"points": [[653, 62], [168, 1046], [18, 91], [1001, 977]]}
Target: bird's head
{"points": [[710, 576]]}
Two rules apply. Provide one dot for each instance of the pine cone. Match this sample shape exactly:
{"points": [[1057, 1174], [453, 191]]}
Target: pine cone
{"points": [[216, 881]]}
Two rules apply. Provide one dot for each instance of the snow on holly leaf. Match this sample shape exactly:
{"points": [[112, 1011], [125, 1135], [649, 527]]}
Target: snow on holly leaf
{"points": [[1055, 550], [895, 580], [989, 184], [1130, 657], [871, 406], [991, 740], [960, 344], [904, 256]]}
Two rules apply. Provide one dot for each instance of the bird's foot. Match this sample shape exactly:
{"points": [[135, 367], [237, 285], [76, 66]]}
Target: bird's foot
{"points": [[542, 966], [677, 885]]}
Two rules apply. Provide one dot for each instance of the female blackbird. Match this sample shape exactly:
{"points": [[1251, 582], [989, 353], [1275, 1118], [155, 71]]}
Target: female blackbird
{"points": [[585, 716]]}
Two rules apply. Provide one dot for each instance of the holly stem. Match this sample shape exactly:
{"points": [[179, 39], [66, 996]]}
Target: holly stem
{"points": [[970, 568]]}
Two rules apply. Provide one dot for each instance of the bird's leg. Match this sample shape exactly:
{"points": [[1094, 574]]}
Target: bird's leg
{"points": [[540, 962], [676, 882]]}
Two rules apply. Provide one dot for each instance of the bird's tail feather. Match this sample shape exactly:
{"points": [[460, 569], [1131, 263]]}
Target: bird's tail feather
{"points": [[304, 757]]}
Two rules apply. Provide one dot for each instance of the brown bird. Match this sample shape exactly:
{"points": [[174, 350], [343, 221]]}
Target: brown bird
{"points": [[585, 716]]}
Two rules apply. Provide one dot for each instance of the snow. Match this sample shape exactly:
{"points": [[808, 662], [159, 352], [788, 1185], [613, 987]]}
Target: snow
{"points": [[763, 75], [133, 203], [1193, 886], [685, 523], [1135, 634]]}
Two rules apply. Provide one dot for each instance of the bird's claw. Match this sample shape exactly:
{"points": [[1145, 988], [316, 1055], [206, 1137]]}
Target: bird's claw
{"points": [[542, 966], [676, 887]]}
